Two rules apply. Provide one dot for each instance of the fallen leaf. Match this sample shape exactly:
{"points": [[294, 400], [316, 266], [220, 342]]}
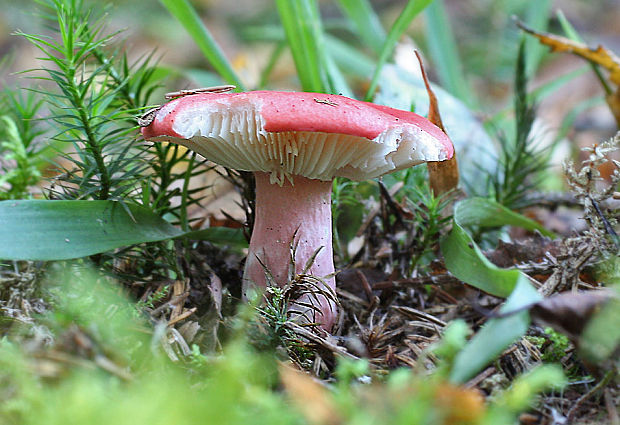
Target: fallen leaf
{"points": [[460, 405], [597, 56], [310, 397], [444, 175], [570, 312]]}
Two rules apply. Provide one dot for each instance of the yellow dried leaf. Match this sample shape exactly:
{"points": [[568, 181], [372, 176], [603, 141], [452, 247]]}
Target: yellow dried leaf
{"points": [[460, 405], [599, 55], [613, 101], [310, 397]]}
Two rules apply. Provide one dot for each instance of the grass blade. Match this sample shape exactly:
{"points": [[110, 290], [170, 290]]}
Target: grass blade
{"points": [[444, 52], [411, 10], [304, 32], [366, 22], [298, 23], [537, 17], [572, 33], [187, 16]]}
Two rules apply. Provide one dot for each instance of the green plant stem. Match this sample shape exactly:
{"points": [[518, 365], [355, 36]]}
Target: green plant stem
{"points": [[91, 140], [184, 193], [118, 81]]}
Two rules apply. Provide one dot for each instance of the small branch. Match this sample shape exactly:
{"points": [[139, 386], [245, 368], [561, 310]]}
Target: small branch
{"points": [[312, 337], [602, 384]]}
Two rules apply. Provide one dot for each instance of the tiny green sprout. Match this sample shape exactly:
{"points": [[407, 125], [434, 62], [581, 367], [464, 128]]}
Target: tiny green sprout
{"points": [[153, 299], [558, 345]]}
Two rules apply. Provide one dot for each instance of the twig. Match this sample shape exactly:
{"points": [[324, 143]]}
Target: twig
{"points": [[309, 335], [438, 279], [480, 377], [412, 312], [377, 208], [602, 384], [612, 410]]}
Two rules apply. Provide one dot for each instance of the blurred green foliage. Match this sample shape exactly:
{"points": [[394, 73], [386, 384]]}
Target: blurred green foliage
{"points": [[105, 365]]}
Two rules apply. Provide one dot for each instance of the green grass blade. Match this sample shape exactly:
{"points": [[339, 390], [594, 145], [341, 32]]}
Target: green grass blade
{"points": [[366, 22], [183, 11], [411, 10], [537, 17], [572, 33], [444, 53], [298, 21], [567, 27], [316, 69], [273, 60], [334, 81], [348, 58], [337, 81]]}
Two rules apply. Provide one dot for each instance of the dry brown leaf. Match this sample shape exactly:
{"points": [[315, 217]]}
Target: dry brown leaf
{"points": [[443, 176], [460, 405], [310, 397], [570, 312], [599, 56], [613, 101]]}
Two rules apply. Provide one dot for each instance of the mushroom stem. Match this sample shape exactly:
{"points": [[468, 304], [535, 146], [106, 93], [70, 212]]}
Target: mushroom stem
{"points": [[301, 210]]}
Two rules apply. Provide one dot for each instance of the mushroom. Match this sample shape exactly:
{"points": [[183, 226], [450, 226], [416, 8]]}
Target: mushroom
{"points": [[296, 143]]}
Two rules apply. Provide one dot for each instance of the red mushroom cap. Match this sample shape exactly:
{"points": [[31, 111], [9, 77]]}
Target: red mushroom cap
{"points": [[318, 136]]}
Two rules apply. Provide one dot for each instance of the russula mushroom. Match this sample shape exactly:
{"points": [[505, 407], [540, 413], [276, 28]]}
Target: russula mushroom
{"points": [[296, 143]]}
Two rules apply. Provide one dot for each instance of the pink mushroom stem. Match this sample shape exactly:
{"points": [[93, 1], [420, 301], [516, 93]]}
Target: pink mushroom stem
{"points": [[301, 210]]}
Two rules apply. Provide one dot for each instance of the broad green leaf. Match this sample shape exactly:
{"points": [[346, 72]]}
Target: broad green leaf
{"points": [[601, 337], [187, 16], [487, 213], [61, 230], [497, 334], [219, 236], [464, 260], [411, 10]]}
